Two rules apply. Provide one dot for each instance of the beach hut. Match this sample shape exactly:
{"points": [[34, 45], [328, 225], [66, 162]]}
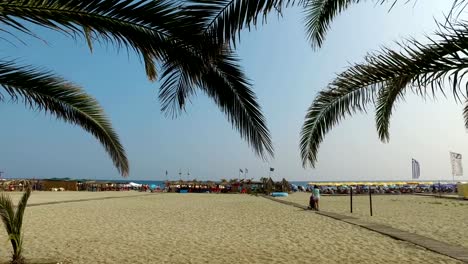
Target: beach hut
{"points": [[59, 184]]}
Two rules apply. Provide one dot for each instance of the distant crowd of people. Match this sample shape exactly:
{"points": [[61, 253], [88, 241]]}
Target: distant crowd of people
{"points": [[362, 189]]}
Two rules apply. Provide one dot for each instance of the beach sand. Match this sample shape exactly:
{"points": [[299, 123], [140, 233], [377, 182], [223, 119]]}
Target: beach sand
{"points": [[197, 228], [440, 219]]}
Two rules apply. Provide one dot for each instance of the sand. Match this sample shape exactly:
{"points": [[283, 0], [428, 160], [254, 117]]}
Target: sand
{"points": [[197, 228], [441, 219]]}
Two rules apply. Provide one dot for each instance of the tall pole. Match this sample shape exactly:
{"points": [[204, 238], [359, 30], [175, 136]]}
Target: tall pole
{"points": [[370, 200], [180, 175], [351, 198]]}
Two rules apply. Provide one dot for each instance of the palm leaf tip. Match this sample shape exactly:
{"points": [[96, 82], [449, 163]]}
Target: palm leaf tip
{"points": [[387, 97], [66, 101], [319, 15], [223, 81], [424, 68]]}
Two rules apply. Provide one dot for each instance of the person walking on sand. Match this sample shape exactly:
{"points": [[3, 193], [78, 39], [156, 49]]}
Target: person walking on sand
{"points": [[316, 194], [312, 202]]}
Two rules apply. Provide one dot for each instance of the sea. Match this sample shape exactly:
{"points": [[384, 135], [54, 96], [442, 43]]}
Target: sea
{"points": [[161, 183]]}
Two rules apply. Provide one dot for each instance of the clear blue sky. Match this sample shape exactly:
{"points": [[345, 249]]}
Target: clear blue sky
{"points": [[286, 74]]}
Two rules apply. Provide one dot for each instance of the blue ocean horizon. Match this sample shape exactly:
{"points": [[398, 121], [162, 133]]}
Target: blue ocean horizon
{"points": [[161, 183]]}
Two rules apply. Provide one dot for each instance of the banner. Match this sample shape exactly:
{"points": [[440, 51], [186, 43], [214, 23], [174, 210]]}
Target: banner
{"points": [[456, 160], [416, 171]]}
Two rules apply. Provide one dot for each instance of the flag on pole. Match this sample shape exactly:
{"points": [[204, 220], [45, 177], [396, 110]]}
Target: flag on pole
{"points": [[272, 169], [415, 169], [241, 171], [456, 160], [166, 173], [246, 170]]}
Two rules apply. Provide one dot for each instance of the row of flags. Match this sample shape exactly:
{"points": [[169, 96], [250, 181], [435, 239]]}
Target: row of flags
{"points": [[246, 170], [455, 160]]}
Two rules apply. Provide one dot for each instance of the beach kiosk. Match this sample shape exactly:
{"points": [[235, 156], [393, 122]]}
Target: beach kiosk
{"points": [[463, 190]]}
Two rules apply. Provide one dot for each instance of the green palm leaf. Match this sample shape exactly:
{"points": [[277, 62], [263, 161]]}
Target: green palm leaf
{"points": [[385, 103], [223, 81], [224, 19], [13, 222], [426, 68], [141, 25], [159, 31], [319, 15], [66, 101]]}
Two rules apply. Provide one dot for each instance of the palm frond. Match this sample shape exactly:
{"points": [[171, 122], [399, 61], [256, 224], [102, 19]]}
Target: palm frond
{"points": [[386, 99], [319, 15], [424, 67], [224, 19], [7, 213], [18, 221], [140, 25], [16, 238], [465, 114], [223, 81], [159, 31], [238, 102], [66, 101]]}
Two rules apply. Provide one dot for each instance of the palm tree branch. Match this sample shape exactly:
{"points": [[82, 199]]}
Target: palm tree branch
{"points": [[142, 24], [224, 19], [386, 99], [424, 67], [20, 210], [319, 15], [7, 213], [222, 80], [64, 100], [239, 103]]}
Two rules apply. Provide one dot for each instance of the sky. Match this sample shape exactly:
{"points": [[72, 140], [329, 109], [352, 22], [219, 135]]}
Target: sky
{"points": [[286, 75]]}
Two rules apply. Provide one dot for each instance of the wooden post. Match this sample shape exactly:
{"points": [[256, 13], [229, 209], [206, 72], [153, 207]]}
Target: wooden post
{"points": [[351, 198], [370, 200]]}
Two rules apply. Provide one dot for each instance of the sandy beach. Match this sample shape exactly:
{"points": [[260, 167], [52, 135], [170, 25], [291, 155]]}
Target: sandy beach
{"points": [[197, 228], [441, 219]]}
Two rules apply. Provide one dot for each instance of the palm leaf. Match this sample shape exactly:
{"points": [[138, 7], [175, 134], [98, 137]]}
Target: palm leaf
{"points": [[385, 103], [20, 210], [16, 237], [7, 213], [64, 100], [319, 15], [224, 19], [140, 25], [157, 30], [223, 81], [424, 67]]}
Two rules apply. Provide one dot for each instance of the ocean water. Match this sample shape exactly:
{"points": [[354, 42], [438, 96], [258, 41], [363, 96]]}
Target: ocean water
{"points": [[161, 183]]}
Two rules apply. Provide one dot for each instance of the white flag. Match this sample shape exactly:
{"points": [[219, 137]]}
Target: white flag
{"points": [[456, 160], [416, 170]]}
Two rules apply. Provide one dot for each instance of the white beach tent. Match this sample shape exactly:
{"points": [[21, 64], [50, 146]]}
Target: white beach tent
{"points": [[132, 184]]}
